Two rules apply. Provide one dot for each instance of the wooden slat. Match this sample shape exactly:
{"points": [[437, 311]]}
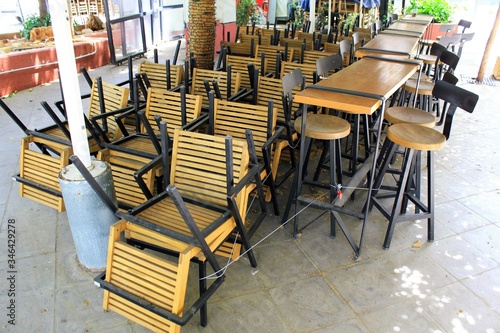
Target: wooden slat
{"points": [[167, 105], [115, 97], [200, 75]]}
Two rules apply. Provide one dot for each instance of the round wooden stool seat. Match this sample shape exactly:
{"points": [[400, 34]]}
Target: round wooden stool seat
{"points": [[424, 88], [416, 137], [427, 59], [402, 114], [323, 127]]}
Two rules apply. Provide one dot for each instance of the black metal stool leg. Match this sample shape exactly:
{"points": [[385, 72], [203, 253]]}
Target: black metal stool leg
{"points": [[399, 196]]}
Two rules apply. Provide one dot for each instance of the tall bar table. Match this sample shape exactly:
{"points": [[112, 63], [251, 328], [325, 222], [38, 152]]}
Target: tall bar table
{"points": [[361, 88]]}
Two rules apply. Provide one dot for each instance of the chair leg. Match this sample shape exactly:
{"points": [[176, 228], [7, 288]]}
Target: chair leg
{"points": [[202, 269], [406, 167], [333, 190], [430, 196]]}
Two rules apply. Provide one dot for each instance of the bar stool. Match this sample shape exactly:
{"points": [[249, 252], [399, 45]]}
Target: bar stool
{"points": [[398, 115], [446, 28], [414, 138], [449, 61], [318, 127]]}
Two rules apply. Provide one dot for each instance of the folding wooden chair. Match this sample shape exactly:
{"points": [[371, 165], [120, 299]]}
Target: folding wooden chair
{"points": [[165, 76], [272, 88], [189, 220], [39, 171], [228, 84], [234, 118], [308, 70]]}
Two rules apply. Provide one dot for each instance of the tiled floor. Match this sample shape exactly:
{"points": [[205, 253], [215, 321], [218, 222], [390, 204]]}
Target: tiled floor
{"points": [[309, 284]]}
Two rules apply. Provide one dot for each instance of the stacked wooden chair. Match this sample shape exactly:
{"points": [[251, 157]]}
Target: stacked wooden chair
{"points": [[45, 152], [187, 222]]}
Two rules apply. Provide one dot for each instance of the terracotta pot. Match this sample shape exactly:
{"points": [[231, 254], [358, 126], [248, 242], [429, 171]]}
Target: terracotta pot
{"points": [[433, 31]]}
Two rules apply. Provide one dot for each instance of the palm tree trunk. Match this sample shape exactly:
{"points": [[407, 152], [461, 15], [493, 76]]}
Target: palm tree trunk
{"points": [[489, 45], [201, 32]]}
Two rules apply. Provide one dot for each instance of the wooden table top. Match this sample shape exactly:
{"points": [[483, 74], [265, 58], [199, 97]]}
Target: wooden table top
{"points": [[419, 18], [368, 75], [409, 27], [390, 44]]}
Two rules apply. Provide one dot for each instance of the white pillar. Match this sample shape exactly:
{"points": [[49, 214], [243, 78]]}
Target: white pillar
{"points": [[69, 78], [312, 15]]}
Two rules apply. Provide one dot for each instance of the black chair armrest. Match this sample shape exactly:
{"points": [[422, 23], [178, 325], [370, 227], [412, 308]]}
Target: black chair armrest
{"points": [[102, 133], [196, 123], [139, 173]]}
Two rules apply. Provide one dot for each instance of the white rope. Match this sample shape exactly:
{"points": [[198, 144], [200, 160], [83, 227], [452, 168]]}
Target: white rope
{"points": [[215, 275]]}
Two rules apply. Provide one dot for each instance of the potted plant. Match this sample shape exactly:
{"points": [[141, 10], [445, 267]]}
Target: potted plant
{"points": [[412, 8], [440, 10], [246, 12]]}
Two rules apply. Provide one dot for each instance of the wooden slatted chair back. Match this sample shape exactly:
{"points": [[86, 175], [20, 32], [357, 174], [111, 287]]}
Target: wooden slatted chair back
{"points": [[297, 45], [272, 88], [201, 75], [233, 118], [240, 65], [308, 70], [114, 97], [241, 49], [123, 166], [246, 38], [157, 74], [331, 47], [270, 54], [41, 171], [198, 166], [168, 105], [310, 57]]}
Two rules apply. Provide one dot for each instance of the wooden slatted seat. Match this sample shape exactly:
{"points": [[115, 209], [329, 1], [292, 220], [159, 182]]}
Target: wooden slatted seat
{"points": [[308, 70], [331, 47], [163, 280], [246, 38], [310, 57], [114, 100], [169, 106], [233, 118], [268, 34], [123, 166], [270, 52], [297, 45], [240, 65], [224, 79], [240, 49], [157, 74], [39, 172]]}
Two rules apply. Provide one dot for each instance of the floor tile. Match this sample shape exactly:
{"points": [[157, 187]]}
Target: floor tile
{"points": [[310, 304], [459, 257], [457, 309], [486, 286], [405, 316], [282, 262]]}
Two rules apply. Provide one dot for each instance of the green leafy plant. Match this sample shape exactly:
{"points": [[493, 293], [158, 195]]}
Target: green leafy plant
{"points": [[350, 20], [246, 12], [322, 17], [412, 8], [299, 15], [34, 21], [441, 10]]}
